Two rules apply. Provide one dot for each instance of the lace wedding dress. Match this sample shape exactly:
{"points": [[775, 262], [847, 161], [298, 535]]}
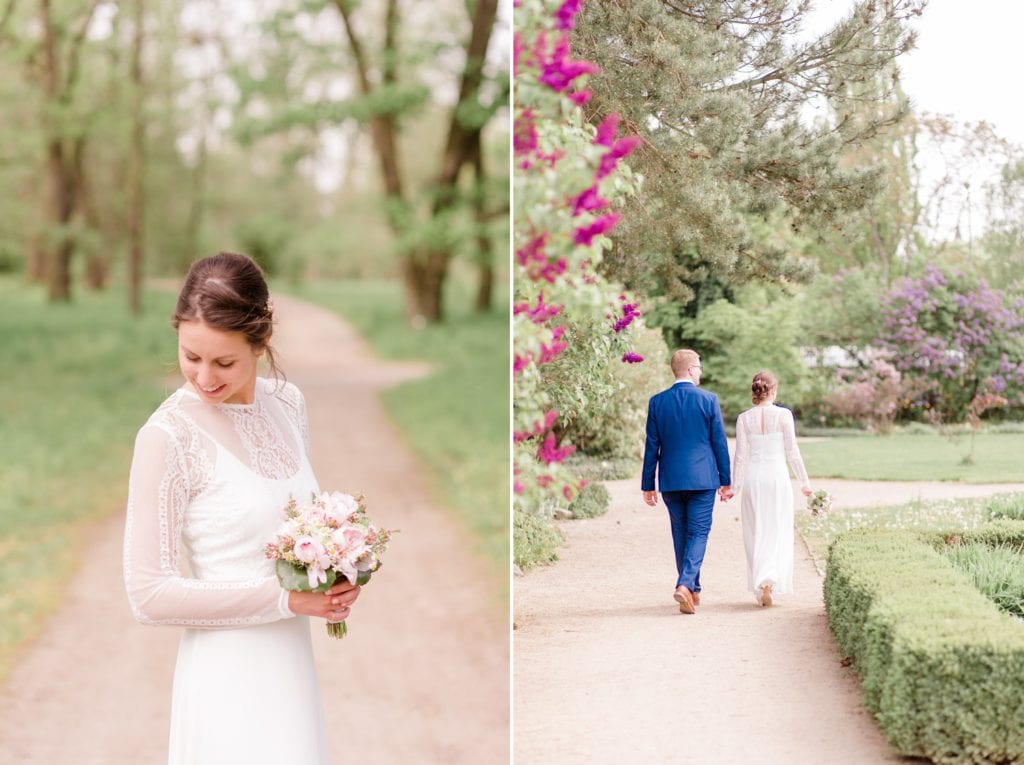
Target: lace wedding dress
{"points": [[765, 442], [206, 493]]}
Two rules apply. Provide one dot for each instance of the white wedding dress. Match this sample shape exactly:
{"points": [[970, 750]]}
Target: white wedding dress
{"points": [[765, 442], [207, 491]]}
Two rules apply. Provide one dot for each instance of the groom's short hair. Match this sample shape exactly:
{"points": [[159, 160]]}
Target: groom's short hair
{"points": [[682, 360]]}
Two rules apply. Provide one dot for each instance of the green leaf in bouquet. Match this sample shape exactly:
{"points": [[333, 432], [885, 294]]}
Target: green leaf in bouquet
{"points": [[293, 577]]}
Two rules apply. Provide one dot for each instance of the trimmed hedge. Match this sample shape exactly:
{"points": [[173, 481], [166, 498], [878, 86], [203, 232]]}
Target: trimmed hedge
{"points": [[942, 667]]}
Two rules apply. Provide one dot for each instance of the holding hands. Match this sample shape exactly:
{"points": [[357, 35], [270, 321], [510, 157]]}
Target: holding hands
{"points": [[725, 493]]}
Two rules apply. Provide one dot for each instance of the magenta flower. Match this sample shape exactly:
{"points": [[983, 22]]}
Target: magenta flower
{"points": [[521, 362], [632, 358], [539, 314], [610, 160], [629, 313], [581, 97], [559, 71], [538, 428], [566, 15], [587, 201], [606, 131], [549, 453], [585, 235], [524, 133]]}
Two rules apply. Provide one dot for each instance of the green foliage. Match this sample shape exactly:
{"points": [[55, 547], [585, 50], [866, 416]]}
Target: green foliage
{"points": [[942, 668], [719, 93], [900, 456], [456, 419], [602, 468], [1007, 506], [842, 309], [592, 501], [603, 401], [534, 539], [997, 571], [79, 380], [736, 340]]}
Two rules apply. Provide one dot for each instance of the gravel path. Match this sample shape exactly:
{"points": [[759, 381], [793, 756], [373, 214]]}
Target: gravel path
{"points": [[423, 673], [608, 671]]}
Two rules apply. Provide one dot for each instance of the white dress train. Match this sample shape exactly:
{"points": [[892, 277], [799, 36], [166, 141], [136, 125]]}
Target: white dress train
{"points": [[765, 442], [207, 491]]}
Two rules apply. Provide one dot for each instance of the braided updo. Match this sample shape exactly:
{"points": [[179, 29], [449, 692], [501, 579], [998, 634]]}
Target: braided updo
{"points": [[762, 386], [228, 291]]}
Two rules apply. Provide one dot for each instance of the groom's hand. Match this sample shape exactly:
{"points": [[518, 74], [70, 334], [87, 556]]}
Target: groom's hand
{"points": [[651, 498], [725, 493]]}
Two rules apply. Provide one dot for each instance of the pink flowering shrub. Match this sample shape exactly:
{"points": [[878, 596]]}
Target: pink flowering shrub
{"points": [[874, 394], [568, 176]]}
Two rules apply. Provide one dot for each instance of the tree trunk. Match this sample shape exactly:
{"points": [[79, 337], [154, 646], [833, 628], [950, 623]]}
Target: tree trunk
{"points": [[424, 279], [485, 285], [62, 200], [136, 201]]}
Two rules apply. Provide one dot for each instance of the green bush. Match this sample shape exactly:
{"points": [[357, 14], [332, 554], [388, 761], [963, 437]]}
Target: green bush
{"points": [[591, 468], [998, 572], [942, 668], [591, 502], [535, 540], [1006, 506]]}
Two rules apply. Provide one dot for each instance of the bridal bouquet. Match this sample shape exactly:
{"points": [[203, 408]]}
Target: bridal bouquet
{"points": [[327, 538], [819, 502]]}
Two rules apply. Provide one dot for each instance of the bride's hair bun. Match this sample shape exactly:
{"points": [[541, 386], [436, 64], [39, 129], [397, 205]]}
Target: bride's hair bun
{"points": [[762, 386]]}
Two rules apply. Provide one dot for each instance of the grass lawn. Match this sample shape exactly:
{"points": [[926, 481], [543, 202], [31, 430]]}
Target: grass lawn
{"points": [[78, 382], [456, 420], [998, 457]]}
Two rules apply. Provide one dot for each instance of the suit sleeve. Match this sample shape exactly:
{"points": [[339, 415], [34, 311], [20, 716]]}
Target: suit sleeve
{"points": [[652, 450], [719, 444]]}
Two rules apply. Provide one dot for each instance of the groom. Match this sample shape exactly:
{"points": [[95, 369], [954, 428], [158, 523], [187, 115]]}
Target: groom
{"points": [[686, 443]]}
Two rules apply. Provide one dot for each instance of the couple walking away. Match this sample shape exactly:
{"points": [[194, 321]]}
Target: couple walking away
{"points": [[687, 448]]}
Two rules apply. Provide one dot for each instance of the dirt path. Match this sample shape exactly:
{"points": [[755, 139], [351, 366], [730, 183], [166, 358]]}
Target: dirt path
{"points": [[608, 671], [423, 674]]}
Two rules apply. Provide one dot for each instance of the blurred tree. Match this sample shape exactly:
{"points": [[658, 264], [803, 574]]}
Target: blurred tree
{"points": [[137, 163], [57, 69], [430, 219]]}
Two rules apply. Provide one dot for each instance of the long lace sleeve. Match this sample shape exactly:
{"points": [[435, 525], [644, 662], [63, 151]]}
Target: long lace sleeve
{"points": [[163, 477], [796, 462], [742, 455]]}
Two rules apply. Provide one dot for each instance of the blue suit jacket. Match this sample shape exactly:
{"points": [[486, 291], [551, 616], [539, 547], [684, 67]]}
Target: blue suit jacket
{"points": [[685, 441]]}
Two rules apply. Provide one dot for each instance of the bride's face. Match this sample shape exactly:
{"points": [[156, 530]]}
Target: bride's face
{"points": [[220, 366]]}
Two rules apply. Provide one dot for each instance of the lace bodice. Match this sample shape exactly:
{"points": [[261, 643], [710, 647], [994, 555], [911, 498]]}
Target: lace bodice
{"points": [[207, 490], [764, 434]]}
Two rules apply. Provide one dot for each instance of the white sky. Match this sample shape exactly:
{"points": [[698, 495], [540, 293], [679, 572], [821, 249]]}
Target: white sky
{"points": [[965, 62], [964, 65]]}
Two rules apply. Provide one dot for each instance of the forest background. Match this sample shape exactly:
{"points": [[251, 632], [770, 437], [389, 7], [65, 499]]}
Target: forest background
{"points": [[357, 149]]}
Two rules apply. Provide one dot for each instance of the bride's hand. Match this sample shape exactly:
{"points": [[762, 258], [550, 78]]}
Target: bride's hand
{"points": [[333, 605]]}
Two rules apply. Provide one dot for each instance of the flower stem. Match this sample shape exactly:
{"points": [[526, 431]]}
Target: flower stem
{"points": [[337, 629]]}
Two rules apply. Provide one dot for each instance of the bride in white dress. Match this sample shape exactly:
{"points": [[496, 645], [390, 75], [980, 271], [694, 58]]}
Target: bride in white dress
{"points": [[213, 468], [765, 442]]}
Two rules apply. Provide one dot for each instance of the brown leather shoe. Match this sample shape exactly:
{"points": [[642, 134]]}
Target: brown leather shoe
{"points": [[685, 600], [695, 597]]}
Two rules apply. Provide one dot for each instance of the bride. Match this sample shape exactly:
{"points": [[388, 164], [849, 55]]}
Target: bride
{"points": [[765, 442], [214, 467]]}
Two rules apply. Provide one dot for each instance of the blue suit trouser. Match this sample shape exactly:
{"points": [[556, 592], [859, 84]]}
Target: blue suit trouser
{"points": [[690, 515]]}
